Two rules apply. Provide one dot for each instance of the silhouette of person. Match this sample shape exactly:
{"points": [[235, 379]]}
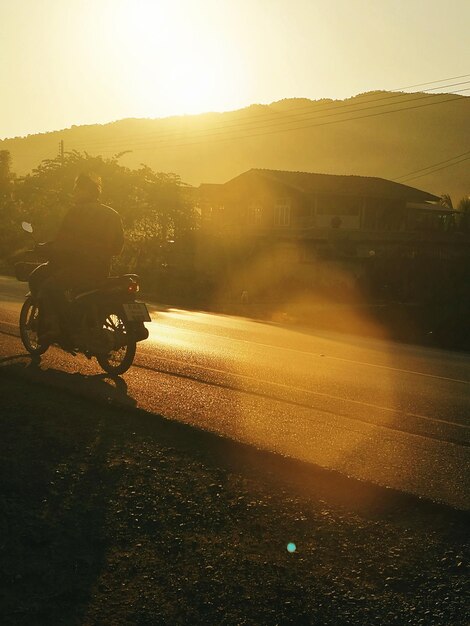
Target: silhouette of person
{"points": [[90, 235]]}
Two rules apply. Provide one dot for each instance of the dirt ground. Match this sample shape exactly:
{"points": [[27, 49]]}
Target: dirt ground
{"points": [[110, 516]]}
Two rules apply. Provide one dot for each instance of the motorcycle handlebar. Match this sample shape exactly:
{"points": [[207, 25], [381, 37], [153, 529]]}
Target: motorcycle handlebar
{"points": [[44, 248]]}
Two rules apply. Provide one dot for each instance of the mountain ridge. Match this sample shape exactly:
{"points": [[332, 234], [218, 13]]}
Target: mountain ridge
{"points": [[380, 133]]}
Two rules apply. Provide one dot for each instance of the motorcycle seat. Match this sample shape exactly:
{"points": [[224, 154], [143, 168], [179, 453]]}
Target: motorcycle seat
{"points": [[110, 282]]}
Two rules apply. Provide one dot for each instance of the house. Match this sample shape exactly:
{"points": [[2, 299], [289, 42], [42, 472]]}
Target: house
{"points": [[300, 228], [309, 205]]}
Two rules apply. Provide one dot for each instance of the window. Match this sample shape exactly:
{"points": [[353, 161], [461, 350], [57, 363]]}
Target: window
{"points": [[255, 214], [282, 213]]}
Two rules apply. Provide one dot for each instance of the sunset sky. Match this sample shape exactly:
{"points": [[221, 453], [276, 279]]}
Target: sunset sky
{"points": [[67, 62]]}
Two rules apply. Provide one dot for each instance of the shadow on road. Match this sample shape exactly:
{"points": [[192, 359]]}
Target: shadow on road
{"points": [[110, 389]]}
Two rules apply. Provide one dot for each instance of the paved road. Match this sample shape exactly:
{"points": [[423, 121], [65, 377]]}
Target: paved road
{"points": [[392, 414]]}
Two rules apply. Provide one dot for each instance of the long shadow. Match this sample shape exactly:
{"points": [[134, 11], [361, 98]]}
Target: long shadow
{"points": [[111, 389], [55, 489]]}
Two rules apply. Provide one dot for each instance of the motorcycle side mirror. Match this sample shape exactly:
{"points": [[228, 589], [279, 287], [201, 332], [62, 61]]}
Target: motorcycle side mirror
{"points": [[27, 227]]}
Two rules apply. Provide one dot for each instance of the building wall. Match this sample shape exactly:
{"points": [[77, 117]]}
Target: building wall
{"points": [[252, 205]]}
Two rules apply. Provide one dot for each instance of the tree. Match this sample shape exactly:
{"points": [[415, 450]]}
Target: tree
{"points": [[464, 210], [446, 201], [8, 232], [6, 176]]}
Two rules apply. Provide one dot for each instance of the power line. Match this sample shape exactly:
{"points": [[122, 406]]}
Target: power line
{"points": [[348, 119], [422, 169], [218, 136], [438, 169], [433, 82], [285, 118]]}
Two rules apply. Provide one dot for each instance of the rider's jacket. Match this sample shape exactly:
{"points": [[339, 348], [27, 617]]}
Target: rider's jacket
{"points": [[90, 235]]}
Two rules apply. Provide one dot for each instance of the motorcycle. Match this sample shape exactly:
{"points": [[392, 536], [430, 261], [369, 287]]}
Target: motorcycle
{"points": [[105, 322]]}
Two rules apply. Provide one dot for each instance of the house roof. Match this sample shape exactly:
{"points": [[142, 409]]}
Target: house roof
{"points": [[309, 182], [210, 186]]}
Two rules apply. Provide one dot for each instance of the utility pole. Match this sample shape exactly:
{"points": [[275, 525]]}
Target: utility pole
{"points": [[61, 152]]}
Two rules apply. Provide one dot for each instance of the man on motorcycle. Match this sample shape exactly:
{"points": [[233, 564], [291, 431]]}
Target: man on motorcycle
{"points": [[90, 235]]}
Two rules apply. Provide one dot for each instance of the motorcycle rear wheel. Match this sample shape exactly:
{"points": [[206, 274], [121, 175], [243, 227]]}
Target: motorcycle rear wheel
{"points": [[120, 358], [29, 328]]}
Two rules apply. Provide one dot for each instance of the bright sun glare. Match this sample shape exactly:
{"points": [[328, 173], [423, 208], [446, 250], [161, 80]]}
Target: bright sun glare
{"points": [[171, 53]]}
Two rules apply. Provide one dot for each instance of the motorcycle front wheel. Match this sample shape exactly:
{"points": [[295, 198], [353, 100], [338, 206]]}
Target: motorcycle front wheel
{"points": [[29, 328], [121, 355]]}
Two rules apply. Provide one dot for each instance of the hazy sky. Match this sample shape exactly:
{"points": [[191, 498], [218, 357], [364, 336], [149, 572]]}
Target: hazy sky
{"points": [[65, 62]]}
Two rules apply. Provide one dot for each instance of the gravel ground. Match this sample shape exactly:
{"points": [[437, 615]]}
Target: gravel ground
{"points": [[115, 517]]}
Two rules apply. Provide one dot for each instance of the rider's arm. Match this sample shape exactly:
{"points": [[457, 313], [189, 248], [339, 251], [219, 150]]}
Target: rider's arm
{"points": [[118, 242]]}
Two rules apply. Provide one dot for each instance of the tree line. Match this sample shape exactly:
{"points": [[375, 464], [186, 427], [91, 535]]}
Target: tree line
{"points": [[157, 211]]}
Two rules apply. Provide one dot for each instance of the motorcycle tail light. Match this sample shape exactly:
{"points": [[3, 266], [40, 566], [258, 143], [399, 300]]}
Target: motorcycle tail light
{"points": [[133, 287]]}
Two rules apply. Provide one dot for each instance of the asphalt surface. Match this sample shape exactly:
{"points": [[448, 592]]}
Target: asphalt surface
{"points": [[390, 414]]}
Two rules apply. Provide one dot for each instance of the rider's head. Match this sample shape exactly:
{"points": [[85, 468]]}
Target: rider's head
{"points": [[87, 188]]}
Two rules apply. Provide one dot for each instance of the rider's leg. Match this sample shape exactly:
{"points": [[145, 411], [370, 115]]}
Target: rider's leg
{"points": [[52, 303], [39, 276]]}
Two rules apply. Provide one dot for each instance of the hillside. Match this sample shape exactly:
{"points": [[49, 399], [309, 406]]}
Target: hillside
{"points": [[392, 135]]}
